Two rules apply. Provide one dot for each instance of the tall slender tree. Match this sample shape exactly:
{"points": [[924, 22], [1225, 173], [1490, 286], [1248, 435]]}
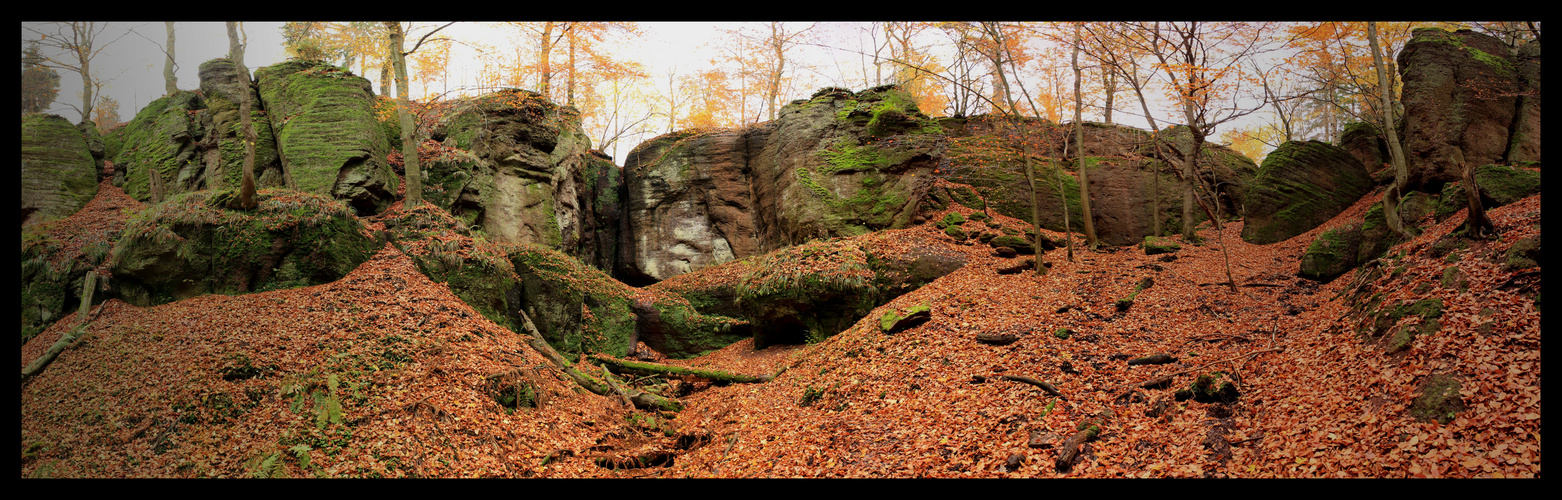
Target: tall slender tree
{"points": [[409, 147], [247, 184], [396, 37], [1079, 150], [79, 44], [1401, 170], [170, 77]]}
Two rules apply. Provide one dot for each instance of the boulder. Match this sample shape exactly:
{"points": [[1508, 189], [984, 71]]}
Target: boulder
{"points": [[328, 133], [58, 173], [162, 140], [1343, 248], [520, 168], [223, 146], [1154, 245], [1362, 141], [192, 245], [1460, 93], [689, 205], [1299, 186], [1525, 143], [838, 164], [1499, 185], [810, 292]]}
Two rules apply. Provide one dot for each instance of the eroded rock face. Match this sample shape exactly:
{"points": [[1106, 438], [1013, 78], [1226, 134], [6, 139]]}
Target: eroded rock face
{"points": [[191, 245], [838, 164], [689, 205], [1461, 98], [525, 173], [327, 133], [163, 140], [1301, 185], [222, 148], [58, 172], [1127, 174]]}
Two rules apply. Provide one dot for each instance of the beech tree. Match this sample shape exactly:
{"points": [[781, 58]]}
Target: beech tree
{"points": [[1079, 150], [247, 184], [1401, 170], [78, 44], [170, 78], [409, 147]]}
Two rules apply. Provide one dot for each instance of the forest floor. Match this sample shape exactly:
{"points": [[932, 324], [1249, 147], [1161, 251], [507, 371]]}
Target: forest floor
{"points": [[387, 374]]}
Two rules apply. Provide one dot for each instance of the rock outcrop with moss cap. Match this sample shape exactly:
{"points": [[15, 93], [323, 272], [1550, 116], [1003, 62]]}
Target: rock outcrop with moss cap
{"points": [[1299, 186], [327, 132], [58, 176], [837, 164], [192, 245]]}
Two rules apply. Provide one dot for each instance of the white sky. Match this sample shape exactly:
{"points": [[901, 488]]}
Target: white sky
{"points": [[133, 62]]}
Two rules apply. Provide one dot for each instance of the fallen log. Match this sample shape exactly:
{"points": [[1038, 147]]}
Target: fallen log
{"points": [[643, 368], [87, 288], [1027, 380], [1085, 431], [641, 399]]}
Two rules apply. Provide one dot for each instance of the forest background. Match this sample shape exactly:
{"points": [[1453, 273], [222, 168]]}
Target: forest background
{"points": [[635, 80]]}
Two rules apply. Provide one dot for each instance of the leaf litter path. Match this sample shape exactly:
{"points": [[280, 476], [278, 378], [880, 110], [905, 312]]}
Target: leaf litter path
{"points": [[1316, 401]]}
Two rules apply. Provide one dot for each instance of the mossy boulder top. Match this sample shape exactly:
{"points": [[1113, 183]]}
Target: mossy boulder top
{"points": [[192, 244], [1301, 184], [1469, 100], [837, 164], [328, 134], [520, 168], [58, 173]]}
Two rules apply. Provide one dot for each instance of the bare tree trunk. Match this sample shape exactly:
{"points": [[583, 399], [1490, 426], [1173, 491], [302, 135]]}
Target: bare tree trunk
{"points": [[247, 184], [409, 146], [170, 80], [544, 71], [1401, 170], [1079, 151], [1476, 224]]}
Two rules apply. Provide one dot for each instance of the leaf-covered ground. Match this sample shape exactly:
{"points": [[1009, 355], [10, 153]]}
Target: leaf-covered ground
{"points": [[386, 373]]}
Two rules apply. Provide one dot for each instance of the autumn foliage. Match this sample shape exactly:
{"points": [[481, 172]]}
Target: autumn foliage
{"points": [[385, 373]]}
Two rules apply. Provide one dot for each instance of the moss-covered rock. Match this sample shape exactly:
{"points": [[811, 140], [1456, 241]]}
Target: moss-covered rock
{"points": [[1499, 185], [1209, 388], [1020, 245], [163, 140], [1332, 254], [1299, 186], [222, 85], [810, 292], [1154, 245], [58, 172], [1438, 399], [1460, 94], [191, 245], [1524, 254], [327, 133], [898, 320]]}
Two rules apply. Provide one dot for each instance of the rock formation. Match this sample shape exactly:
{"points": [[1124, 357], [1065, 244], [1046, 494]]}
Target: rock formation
{"points": [[1462, 97], [838, 164], [1301, 185], [58, 173], [327, 132]]}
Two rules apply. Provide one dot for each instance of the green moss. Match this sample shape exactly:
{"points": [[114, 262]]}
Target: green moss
{"points": [[1439, 399]]}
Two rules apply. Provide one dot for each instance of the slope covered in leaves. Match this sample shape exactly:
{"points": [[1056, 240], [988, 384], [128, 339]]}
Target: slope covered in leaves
{"points": [[386, 373]]}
